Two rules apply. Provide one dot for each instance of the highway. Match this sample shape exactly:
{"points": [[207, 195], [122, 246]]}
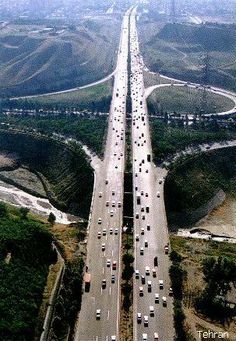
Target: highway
{"points": [[104, 238], [150, 226]]}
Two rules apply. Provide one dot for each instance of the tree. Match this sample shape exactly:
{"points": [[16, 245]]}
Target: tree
{"points": [[51, 219], [3, 210]]}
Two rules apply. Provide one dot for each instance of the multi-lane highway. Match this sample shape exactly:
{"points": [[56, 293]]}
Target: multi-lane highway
{"points": [[99, 315], [153, 310]]}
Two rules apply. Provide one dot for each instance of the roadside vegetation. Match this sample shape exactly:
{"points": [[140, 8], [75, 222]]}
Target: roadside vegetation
{"points": [[170, 138], [25, 255], [182, 51], [208, 285], [186, 100], [95, 98], [195, 181], [88, 129]]}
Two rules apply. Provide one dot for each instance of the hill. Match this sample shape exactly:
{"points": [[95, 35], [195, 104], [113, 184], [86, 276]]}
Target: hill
{"points": [[38, 61]]}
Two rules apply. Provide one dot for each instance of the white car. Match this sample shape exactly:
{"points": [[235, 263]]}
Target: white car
{"points": [[98, 314], [140, 291], [151, 310], [108, 263], [161, 284], [136, 273], [103, 246], [145, 320], [154, 272], [142, 231], [139, 317], [113, 338], [137, 237], [156, 298], [141, 251], [147, 270], [158, 194], [144, 337], [100, 194], [116, 230], [99, 235], [164, 302], [104, 232], [156, 336], [111, 230], [107, 203], [111, 213], [99, 220], [113, 204]]}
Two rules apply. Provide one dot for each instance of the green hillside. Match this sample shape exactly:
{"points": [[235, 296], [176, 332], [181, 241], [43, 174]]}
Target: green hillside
{"points": [[64, 170]]}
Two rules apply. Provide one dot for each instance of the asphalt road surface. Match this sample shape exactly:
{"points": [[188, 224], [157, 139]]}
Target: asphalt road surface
{"points": [[106, 218], [150, 226]]}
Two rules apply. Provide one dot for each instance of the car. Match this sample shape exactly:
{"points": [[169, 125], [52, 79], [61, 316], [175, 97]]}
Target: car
{"points": [[100, 194], [137, 237], [98, 314], [164, 302], [116, 230], [104, 283], [111, 213], [145, 320], [158, 194], [142, 231], [160, 181], [141, 251], [170, 292], [137, 215], [143, 217], [113, 204], [161, 284], [114, 265], [113, 338], [142, 209], [104, 232], [148, 227], [143, 279], [142, 192], [103, 246], [166, 249], [99, 221], [140, 291], [146, 195], [108, 263], [113, 278], [146, 243], [107, 203], [147, 270], [151, 310], [149, 283], [106, 181], [136, 273], [154, 272], [144, 337], [99, 234], [156, 336], [156, 298], [155, 261], [119, 204], [139, 317], [113, 192], [111, 230]]}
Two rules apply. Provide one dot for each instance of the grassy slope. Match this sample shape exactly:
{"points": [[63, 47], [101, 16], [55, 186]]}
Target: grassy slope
{"points": [[96, 98], [65, 171], [177, 50], [22, 281], [195, 181], [43, 63], [185, 100]]}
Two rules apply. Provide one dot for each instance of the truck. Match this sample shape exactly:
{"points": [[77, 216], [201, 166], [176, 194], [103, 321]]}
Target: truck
{"points": [[138, 198], [87, 281]]}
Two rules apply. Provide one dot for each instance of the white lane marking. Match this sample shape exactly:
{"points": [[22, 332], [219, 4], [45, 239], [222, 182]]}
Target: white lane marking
{"points": [[108, 314], [112, 253], [101, 291], [103, 270], [110, 291], [96, 338]]}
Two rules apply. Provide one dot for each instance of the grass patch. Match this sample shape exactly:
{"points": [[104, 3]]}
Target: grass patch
{"points": [[185, 100]]}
